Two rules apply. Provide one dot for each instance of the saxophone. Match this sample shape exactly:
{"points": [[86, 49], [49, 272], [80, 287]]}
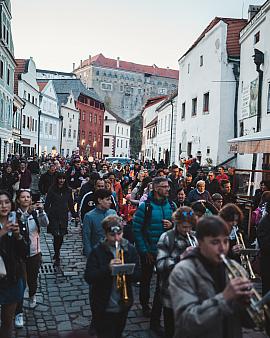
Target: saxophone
{"points": [[257, 308], [121, 282]]}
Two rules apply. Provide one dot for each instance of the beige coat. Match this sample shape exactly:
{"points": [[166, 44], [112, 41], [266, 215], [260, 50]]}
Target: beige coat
{"points": [[198, 310]]}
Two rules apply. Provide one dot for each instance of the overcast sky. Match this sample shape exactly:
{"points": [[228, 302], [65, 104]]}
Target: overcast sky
{"points": [[57, 33]]}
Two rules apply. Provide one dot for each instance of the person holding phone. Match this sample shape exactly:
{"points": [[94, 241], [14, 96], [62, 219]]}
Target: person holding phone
{"points": [[30, 218], [13, 250]]}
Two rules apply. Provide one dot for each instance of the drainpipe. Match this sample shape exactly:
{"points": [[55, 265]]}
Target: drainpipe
{"points": [[258, 60], [170, 159], [61, 133], [38, 141], [236, 73]]}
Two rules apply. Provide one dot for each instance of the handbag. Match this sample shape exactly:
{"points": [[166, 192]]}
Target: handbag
{"points": [[3, 271]]}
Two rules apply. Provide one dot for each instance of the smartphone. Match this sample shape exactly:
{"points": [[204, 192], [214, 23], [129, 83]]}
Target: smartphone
{"points": [[12, 220]]}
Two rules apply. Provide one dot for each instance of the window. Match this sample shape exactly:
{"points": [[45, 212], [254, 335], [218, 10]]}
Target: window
{"points": [[99, 138], [95, 119], [107, 129], [64, 132], [194, 107], [90, 136], [69, 133], [183, 113], [83, 134], [99, 121], [169, 122], [106, 142], [121, 88], [1, 69], [106, 117], [23, 122], [106, 86], [126, 143], [117, 143], [208, 150], [29, 97], [8, 77], [257, 37], [121, 143], [122, 131], [201, 60], [50, 131], [90, 117], [74, 133], [188, 68], [83, 115], [28, 122], [35, 125], [206, 102], [268, 99], [46, 128]]}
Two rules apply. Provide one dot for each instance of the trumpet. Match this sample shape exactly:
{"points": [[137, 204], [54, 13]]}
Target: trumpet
{"points": [[257, 308], [245, 261], [192, 240], [121, 282]]}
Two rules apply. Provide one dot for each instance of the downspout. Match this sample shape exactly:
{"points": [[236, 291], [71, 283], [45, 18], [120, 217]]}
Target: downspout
{"points": [[258, 60], [61, 131], [39, 113], [171, 134], [236, 73]]}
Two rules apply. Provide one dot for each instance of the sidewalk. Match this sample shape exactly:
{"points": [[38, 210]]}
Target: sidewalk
{"points": [[62, 298]]}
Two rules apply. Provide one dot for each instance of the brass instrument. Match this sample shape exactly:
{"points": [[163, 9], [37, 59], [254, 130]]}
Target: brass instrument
{"points": [[121, 282], [192, 240], [245, 261], [257, 308]]}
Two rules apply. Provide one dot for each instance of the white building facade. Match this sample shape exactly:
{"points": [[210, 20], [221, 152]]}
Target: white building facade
{"points": [[49, 127], [206, 93], [7, 68], [116, 136], [28, 90], [149, 114], [69, 116], [254, 36], [166, 129]]}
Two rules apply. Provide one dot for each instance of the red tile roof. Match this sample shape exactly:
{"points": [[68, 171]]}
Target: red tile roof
{"points": [[233, 34], [42, 85], [101, 60], [21, 67]]}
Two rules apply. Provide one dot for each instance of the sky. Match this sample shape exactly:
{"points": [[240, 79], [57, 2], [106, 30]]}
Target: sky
{"points": [[57, 33]]}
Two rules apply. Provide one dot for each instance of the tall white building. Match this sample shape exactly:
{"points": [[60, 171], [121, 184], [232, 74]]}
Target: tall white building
{"points": [[116, 136], [254, 39], [206, 92], [166, 129], [149, 129], [7, 67], [27, 89], [49, 127]]}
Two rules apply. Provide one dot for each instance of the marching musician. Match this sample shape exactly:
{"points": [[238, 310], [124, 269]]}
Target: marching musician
{"points": [[205, 302], [233, 216], [170, 247], [109, 308]]}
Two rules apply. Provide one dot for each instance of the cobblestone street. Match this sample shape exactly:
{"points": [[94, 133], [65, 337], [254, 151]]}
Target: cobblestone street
{"points": [[62, 297]]}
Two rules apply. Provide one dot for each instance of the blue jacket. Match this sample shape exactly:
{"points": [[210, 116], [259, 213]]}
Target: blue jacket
{"points": [[146, 241], [93, 231]]}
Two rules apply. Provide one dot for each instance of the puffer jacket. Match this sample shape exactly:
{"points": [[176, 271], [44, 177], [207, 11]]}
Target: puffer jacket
{"points": [[169, 248], [146, 241], [198, 311]]}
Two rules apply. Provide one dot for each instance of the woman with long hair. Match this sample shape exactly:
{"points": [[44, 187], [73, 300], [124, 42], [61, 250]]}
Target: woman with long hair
{"points": [[58, 203], [30, 218], [13, 249]]}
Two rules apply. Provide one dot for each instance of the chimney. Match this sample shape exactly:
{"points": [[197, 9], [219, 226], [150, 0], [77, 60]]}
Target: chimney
{"points": [[252, 11], [73, 66], [81, 64], [118, 62], [89, 60]]}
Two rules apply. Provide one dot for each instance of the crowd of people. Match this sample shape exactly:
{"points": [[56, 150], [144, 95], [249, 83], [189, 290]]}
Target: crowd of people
{"points": [[149, 219]]}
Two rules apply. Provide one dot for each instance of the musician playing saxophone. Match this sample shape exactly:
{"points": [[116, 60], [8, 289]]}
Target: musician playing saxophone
{"points": [[205, 302], [111, 303], [171, 245]]}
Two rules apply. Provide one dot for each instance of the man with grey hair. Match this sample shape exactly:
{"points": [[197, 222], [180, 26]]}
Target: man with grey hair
{"points": [[152, 218], [199, 193]]}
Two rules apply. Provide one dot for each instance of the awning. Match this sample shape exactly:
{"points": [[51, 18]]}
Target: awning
{"points": [[252, 143]]}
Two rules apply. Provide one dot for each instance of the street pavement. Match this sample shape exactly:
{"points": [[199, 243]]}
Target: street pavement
{"points": [[62, 297]]}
